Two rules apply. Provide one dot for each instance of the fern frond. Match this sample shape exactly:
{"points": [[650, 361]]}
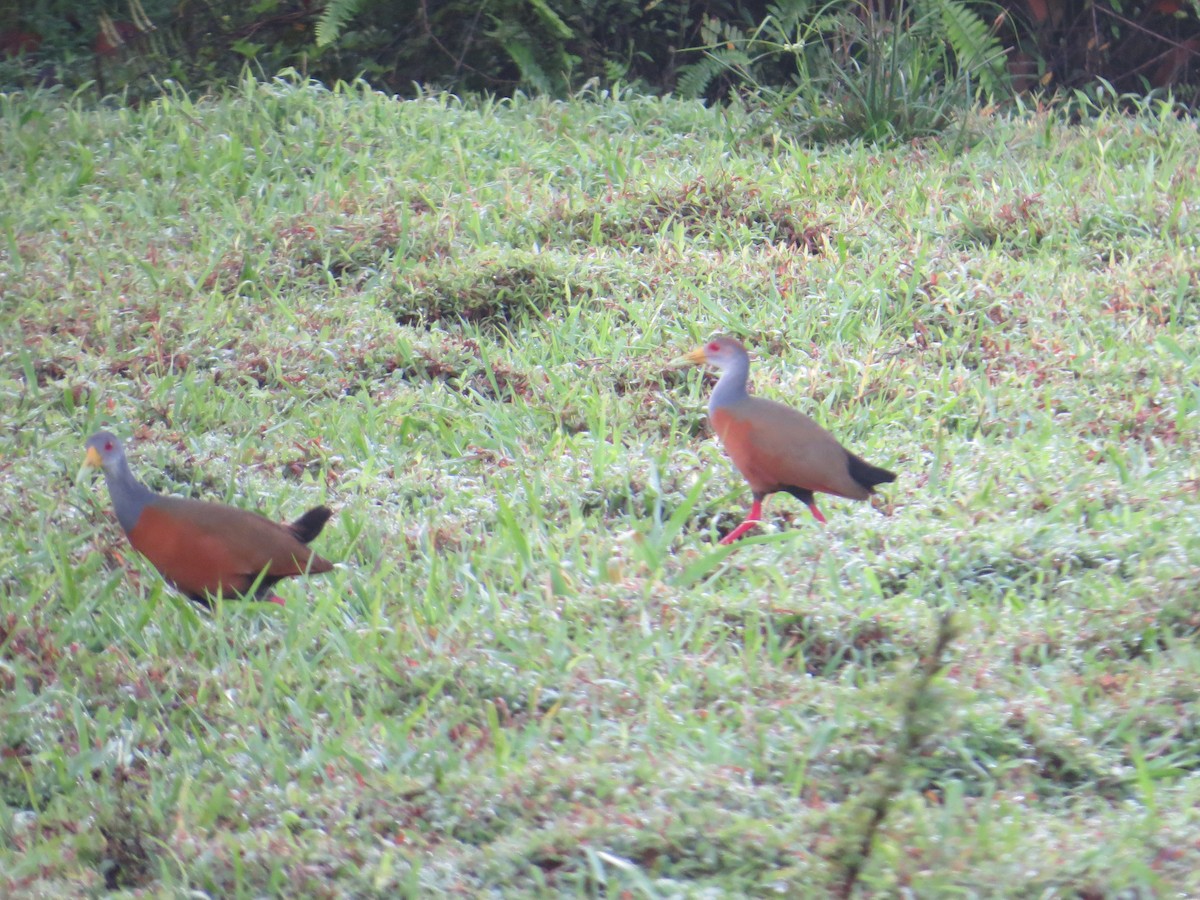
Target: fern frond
{"points": [[334, 19], [552, 20], [694, 78], [975, 45], [532, 73]]}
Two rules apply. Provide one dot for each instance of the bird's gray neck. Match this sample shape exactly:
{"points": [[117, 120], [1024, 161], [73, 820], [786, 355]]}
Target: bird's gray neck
{"points": [[129, 496], [732, 386]]}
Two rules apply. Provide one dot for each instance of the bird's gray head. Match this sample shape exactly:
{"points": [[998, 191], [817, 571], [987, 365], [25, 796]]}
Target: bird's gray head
{"points": [[722, 352], [104, 451]]}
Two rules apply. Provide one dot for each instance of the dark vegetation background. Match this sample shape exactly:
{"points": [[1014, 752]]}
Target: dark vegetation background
{"points": [[557, 47]]}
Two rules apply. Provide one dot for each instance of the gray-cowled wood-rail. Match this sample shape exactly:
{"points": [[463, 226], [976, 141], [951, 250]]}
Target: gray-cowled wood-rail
{"points": [[201, 548], [775, 447]]}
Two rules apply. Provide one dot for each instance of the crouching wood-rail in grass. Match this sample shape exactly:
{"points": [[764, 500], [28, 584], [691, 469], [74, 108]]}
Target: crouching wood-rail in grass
{"points": [[775, 447], [206, 549]]}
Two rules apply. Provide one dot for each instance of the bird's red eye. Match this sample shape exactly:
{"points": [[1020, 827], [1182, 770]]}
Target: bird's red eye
{"points": [[714, 347], [108, 445]]}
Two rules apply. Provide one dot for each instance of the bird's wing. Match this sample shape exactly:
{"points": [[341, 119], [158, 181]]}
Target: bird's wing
{"points": [[776, 447], [202, 546]]}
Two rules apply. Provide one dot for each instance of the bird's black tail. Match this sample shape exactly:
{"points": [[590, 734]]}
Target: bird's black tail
{"points": [[309, 525], [868, 475]]}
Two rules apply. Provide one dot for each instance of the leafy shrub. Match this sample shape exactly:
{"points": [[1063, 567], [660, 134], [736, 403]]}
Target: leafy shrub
{"points": [[551, 46], [894, 67], [837, 70]]}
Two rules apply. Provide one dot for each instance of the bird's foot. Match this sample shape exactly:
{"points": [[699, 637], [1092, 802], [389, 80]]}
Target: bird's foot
{"points": [[739, 531]]}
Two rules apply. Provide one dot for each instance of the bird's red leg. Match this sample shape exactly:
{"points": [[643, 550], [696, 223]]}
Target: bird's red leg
{"points": [[275, 598], [816, 513], [751, 520]]}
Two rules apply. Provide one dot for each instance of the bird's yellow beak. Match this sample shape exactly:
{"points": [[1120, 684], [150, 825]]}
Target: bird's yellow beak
{"points": [[696, 357], [91, 461]]}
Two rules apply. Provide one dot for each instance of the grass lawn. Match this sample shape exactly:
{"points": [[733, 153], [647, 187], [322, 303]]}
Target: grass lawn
{"points": [[535, 671]]}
